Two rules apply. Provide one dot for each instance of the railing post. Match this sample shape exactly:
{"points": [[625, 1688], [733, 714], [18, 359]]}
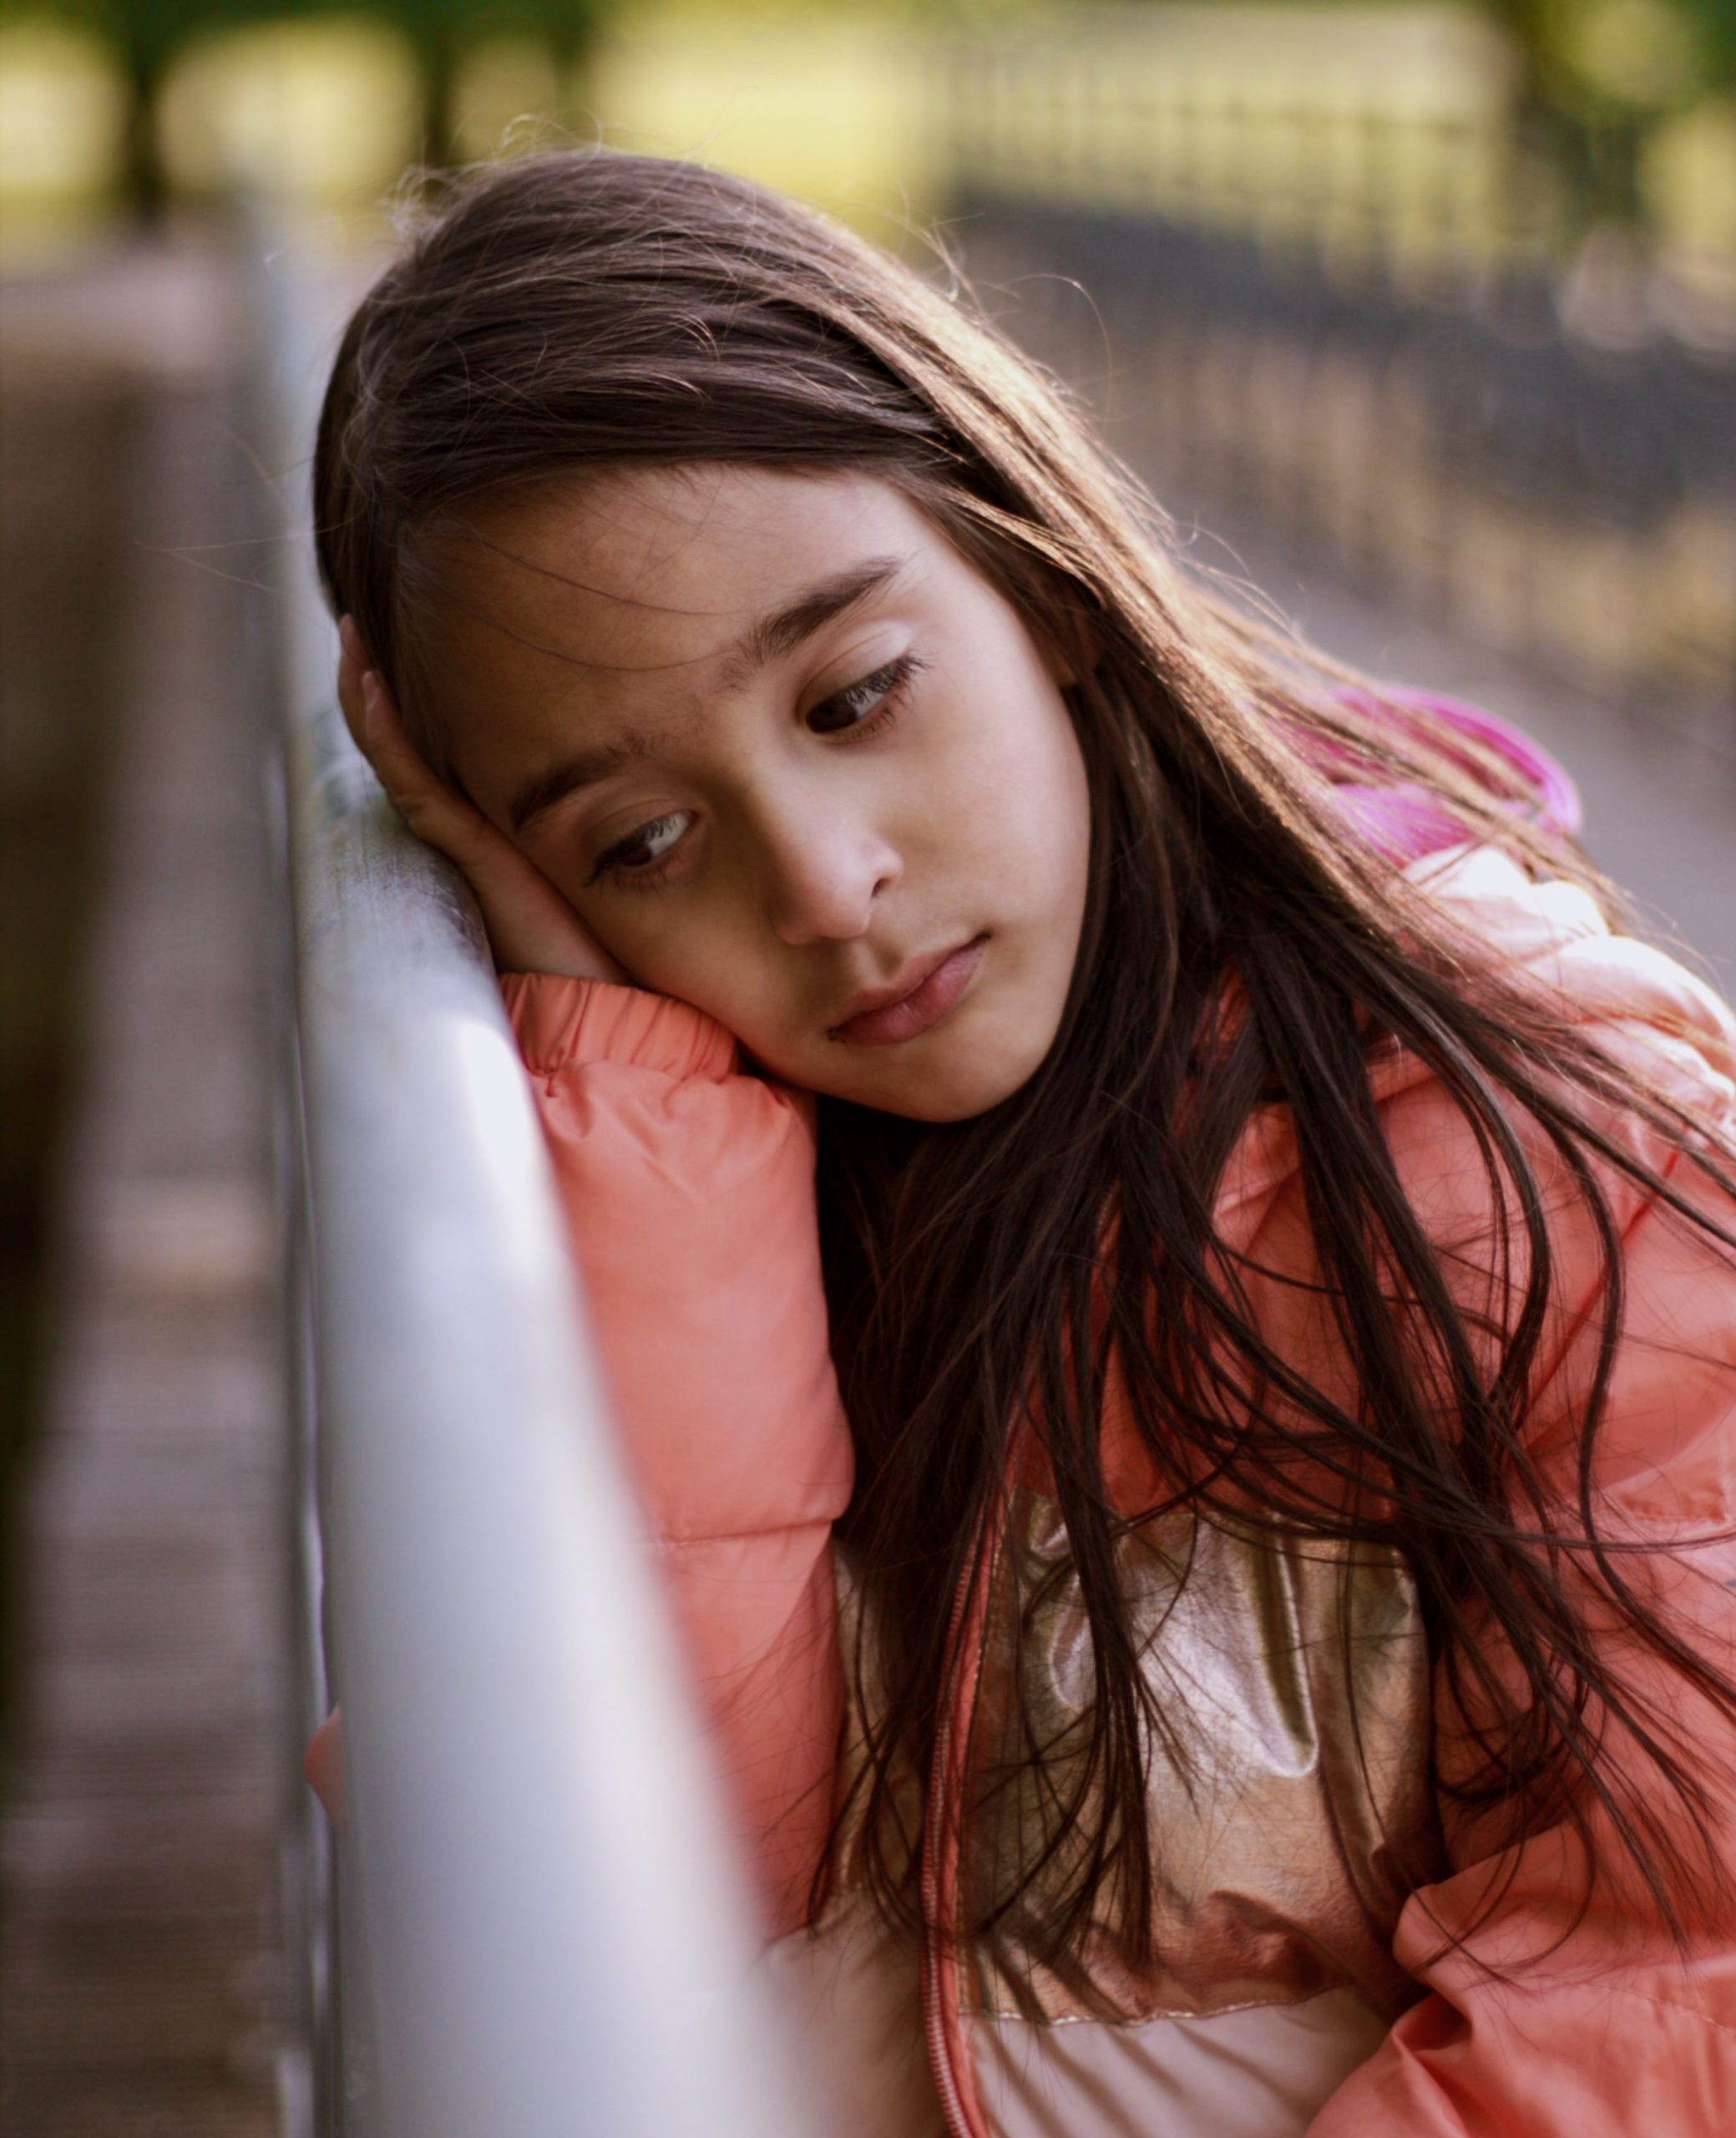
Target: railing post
{"points": [[558, 1941]]}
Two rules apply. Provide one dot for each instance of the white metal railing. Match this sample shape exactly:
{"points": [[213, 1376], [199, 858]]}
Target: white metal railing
{"points": [[545, 1933]]}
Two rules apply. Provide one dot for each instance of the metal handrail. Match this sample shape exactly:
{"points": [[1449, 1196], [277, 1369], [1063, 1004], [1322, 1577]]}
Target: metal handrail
{"points": [[544, 1928]]}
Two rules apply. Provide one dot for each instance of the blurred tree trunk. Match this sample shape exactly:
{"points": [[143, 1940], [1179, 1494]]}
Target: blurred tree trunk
{"points": [[1550, 131], [147, 181], [442, 31], [437, 51], [1592, 124]]}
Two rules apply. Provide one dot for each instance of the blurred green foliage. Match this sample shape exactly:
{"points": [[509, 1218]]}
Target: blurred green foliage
{"points": [[441, 30], [148, 34], [1598, 77]]}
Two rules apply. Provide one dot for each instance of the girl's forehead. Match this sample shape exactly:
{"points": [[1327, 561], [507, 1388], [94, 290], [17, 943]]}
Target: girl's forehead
{"points": [[653, 567]]}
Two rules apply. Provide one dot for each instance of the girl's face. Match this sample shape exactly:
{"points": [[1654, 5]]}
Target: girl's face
{"points": [[790, 757]]}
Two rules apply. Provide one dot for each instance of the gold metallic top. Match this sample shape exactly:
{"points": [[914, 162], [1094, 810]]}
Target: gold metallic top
{"points": [[1286, 1750]]}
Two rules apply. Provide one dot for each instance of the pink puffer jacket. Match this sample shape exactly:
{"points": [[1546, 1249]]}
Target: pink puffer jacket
{"points": [[1301, 1988]]}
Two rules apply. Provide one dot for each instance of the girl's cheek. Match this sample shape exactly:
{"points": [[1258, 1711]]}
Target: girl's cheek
{"points": [[696, 961]]}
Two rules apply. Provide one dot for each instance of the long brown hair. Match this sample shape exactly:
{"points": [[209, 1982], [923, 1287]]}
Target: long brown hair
{"points": [[575, 311]]}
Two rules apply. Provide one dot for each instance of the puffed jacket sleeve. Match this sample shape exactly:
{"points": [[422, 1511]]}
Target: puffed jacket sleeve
{"points": [[1568, 2010], [688, 1190]]}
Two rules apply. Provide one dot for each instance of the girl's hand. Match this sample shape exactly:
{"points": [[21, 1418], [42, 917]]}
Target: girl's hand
{"points": [[531, 927]]}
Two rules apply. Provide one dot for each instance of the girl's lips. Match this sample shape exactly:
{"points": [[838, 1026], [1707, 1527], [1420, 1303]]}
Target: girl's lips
{"points": [[925, 1005]]}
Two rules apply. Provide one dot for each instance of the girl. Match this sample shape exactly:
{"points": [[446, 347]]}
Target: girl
{"points": [[1168, 1281]]}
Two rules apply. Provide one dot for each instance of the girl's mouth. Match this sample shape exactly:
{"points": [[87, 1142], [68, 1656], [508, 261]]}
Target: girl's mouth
{"points": [[921, 1005]]}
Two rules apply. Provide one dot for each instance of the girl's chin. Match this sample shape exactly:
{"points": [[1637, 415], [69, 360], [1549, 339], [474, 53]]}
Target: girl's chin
{"points": [[932, 1089]]}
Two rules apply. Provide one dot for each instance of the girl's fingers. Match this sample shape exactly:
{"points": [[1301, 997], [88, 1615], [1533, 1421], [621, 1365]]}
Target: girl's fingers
{"points": [[433, 811], [531, 927], [426, 805], [353, 660]]}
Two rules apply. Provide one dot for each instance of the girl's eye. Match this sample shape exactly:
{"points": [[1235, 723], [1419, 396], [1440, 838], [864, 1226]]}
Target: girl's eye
{"points": [[857, 705], [636, 857]]}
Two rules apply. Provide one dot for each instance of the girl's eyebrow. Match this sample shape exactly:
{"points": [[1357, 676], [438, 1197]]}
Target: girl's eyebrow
{"points": [[768, 637], [783, 630], [538, 793]]}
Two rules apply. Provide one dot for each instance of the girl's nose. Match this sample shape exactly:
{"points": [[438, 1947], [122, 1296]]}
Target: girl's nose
{"points": [[823, 878]]}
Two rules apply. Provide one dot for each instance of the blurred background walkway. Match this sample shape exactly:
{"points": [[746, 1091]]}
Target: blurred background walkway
{"points": [[1420, 318], [149, 1768]]}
